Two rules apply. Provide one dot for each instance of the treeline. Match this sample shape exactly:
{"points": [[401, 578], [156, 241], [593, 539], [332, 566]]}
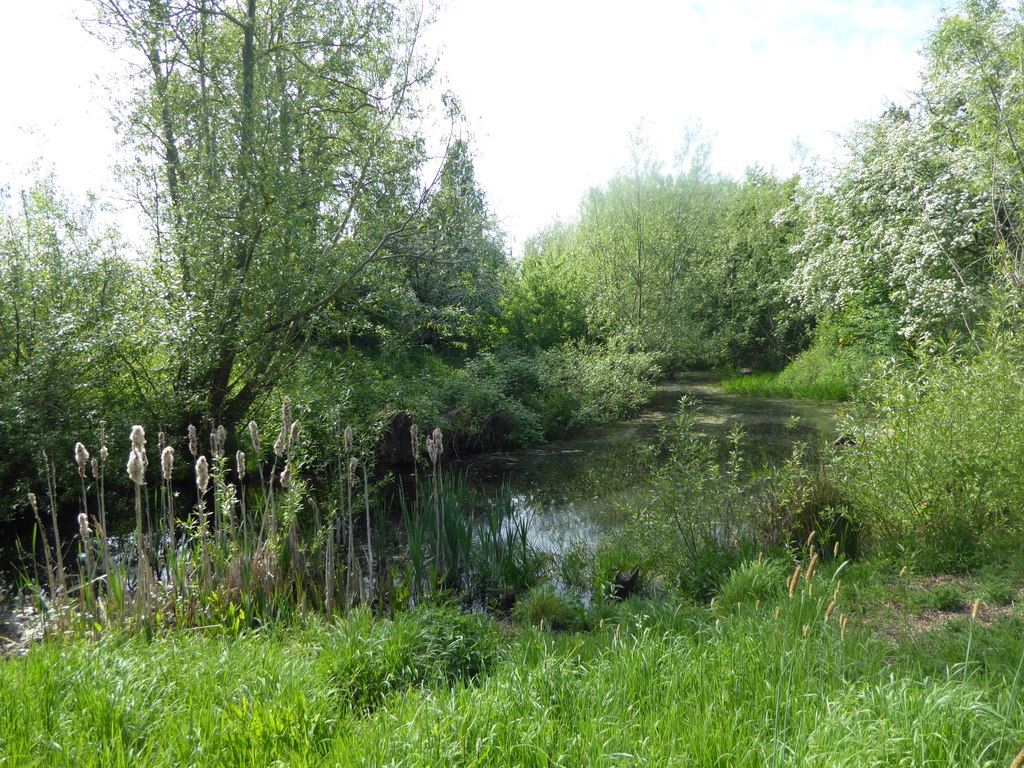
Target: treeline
{"points": [[310, 233]]}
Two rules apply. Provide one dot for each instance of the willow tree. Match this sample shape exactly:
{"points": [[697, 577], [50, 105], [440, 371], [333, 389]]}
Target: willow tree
{"points": [[276, 156]]}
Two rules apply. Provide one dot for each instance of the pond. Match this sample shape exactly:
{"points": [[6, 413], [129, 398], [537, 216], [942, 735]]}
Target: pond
{"points": [[574, 489]]}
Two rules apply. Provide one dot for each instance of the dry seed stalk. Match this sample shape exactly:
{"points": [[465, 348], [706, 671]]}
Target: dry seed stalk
{"points": [[793, 581]]}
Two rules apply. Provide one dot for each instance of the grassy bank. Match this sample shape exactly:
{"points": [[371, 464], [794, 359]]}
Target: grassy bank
{"points": [[867, 676]]}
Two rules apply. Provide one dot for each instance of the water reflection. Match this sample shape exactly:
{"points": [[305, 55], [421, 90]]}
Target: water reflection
{"points": [[576, 489]]}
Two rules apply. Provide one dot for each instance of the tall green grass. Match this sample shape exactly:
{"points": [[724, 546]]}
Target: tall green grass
{"points": [[778, 679]]}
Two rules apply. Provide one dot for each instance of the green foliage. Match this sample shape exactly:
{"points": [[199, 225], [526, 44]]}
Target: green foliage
{"points": [[755, 580], [935, 470], [558, 610], [72, 327], [370, 660]]}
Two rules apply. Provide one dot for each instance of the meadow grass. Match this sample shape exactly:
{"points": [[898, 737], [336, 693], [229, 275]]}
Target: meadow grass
{"points": [[777, 679]]}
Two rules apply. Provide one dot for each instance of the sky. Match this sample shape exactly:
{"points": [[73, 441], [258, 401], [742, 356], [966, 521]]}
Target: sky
{"points": [[551, 90]]}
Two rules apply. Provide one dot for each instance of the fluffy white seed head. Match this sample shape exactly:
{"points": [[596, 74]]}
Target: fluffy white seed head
{"points": [[83, 525], [202, 474], [193, 440], [240, 464], [167, 462], [136, 468], [286, 476], [280, 443], [348, 439], [293, 436], [138, 438], [81, 458], [254, 435]]}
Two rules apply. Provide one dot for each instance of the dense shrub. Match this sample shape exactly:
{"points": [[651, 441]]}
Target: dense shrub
{"points": [[937, 465]]}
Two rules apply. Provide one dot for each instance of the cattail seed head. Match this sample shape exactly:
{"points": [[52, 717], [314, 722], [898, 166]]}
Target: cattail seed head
{"points": [[286, 415], [279, 444], [352, 464], [167, 462], [95, 468], [104, 453], [254, 436], [414, 436], [83, 525], [138, 438], [202, 475], [293, 435], [222, 437], [348, 439], [136, 468], [33, 503], [435, 446], [161, 442], [240, 464], [81, 458], [286, 476], [193, 440]]}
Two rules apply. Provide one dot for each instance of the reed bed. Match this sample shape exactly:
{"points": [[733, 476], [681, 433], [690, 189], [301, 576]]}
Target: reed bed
{"points": [[240, 553]]}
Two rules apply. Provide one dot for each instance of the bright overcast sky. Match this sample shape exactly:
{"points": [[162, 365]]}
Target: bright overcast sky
{"points": [[552, 89]]}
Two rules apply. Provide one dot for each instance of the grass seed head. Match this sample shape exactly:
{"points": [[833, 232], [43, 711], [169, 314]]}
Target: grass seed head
{"points": [[811, 537], [811, 567], [974, 610], [829, 610], [903, 571], [1018, 761], [793, 580], [835, 549]]}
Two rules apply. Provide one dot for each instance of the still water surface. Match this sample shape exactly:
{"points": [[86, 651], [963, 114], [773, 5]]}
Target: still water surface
{"points": [[574, 489]]}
